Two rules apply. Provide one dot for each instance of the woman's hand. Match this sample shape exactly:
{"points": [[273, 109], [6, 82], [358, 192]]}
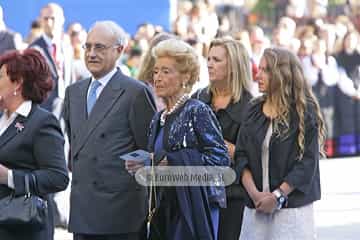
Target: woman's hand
{"points": [[3, 174], [267, 204], [257, 197], [133, 165], [357, 96], [163, 162], [231, 149]]}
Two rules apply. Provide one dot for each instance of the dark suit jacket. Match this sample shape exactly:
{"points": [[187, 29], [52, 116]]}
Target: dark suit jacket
{"points": [[105, 199], [7, 41], [41, 45], [38, 148]]}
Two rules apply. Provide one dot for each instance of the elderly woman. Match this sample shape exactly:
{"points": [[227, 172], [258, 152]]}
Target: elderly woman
{"points": [[186, 133], [31, 141], [228, 95], [278, 152]]}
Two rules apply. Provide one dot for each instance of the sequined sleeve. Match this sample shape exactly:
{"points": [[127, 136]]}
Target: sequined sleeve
{"points": [[207, 130]]}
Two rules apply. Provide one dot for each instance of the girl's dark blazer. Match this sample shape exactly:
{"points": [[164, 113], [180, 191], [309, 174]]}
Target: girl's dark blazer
{"points": [[284, 165], [34, 144]]}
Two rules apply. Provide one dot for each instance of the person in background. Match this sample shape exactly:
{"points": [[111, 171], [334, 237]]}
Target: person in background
{"points": [[283, 35], [147, 64], [9, 40], [200, 49], [228, 95], [278, 151], [57, 52], [77, 35], [31, 141], [35, 31], [106, 116], [347, 106], [321, 72], [133, 61]]}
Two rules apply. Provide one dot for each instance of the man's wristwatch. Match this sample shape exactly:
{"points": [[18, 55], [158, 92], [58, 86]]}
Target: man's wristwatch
{"points": [[281, 198]]}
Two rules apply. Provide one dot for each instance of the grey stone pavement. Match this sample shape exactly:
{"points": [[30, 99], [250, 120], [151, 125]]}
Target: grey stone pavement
{"points": [[337, 214]]}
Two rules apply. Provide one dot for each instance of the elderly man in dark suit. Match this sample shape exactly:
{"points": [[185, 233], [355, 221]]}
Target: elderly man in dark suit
{"points": [[106, 116]]}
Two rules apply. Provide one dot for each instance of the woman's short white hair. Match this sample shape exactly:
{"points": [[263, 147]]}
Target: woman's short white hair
{"points": [[112, 27], [172, 46], [185, 56]]}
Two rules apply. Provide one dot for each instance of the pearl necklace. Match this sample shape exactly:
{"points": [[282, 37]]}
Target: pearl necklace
{"points": [[178, 104]]}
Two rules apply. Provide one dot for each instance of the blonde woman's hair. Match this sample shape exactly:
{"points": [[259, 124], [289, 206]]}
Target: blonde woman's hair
{"points": [[238, 67], [185, 56], [148, 61], [288, 89]]}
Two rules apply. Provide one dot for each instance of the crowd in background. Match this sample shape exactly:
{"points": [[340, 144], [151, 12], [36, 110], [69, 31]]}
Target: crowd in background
{"points": [[324, 36]]}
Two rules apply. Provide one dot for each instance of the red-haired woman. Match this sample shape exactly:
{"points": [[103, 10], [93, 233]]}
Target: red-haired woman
{"points": [[31, 141]]}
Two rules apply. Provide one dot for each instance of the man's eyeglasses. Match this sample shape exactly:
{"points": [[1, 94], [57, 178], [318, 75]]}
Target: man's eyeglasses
{"points": [[46, 18], [98, 47]]}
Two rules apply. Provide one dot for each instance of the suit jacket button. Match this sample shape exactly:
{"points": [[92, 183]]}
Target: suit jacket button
{"points": [[73, 136], [102, 135], [74, 182]]}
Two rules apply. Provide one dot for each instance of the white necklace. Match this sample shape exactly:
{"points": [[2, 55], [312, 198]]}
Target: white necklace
{"points": [[178, 104]]}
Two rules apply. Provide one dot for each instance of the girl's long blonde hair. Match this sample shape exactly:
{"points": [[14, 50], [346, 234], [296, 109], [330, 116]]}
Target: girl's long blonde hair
{"points": [[288, 89]]}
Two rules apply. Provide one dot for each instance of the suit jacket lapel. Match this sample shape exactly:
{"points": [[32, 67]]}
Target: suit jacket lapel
{"points": [[16, 127], [79, 103], [103, 105], [43, 48]]}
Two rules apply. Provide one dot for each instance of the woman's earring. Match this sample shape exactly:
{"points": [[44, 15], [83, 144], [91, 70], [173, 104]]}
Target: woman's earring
{"points": [[15, 93], [183, 85]]}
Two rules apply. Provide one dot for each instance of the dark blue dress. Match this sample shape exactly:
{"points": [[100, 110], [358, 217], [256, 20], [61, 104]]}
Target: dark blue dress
{"points": [[173, 222], [191, 136]]}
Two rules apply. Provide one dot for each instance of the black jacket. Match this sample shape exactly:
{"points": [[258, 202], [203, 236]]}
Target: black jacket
{"points": [[7, 40], [230, 119], [284, 165], [37, 148]]}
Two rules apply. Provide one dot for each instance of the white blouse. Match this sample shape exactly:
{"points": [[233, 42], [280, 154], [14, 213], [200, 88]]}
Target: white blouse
{"points": [[5, 121]]}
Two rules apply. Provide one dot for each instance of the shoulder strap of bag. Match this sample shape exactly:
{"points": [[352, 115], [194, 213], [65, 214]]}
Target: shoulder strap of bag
{"points": [[152, 196], [27, 186]]}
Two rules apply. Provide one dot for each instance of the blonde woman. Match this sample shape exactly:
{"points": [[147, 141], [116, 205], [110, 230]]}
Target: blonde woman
{"points": [[278, 152], [228, 95], [147, 64]]}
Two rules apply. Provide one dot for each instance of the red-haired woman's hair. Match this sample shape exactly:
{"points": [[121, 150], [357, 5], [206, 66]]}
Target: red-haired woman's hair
{"points": [[30, 67]]}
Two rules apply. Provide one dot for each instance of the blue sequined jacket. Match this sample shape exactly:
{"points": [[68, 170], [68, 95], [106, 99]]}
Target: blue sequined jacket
{"points": [[194, 127]]}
